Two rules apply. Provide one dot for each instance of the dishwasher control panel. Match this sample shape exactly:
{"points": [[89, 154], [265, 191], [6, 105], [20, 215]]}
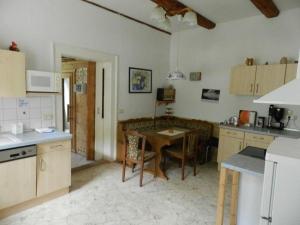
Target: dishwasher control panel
{"points": [[17, 153]]}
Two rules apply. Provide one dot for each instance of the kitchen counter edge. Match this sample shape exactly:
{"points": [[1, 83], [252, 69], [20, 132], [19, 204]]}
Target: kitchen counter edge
{"points": [[34, 138], [264, 131]]}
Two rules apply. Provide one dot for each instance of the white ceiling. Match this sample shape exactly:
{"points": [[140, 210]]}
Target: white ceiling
{"points": [[216, 10]]}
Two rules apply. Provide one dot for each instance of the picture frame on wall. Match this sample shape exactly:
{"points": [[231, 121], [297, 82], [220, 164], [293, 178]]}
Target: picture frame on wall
{"points": [[140, 80], [211, 95]]}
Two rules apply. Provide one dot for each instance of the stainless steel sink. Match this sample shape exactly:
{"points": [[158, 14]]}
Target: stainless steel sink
{"points": [[6, 139]]}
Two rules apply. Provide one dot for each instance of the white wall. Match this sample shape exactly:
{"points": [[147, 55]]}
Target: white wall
{"points": [[37, 24], [214, 52]]}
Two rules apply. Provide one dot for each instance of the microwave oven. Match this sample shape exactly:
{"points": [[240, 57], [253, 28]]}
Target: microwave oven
{"points": [[40, 81]]}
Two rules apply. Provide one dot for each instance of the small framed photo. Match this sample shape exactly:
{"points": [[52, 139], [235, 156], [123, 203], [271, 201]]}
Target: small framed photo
{"points": [[260, 122], [247, 118], [195, 76], [140, 80], [212, 95]]}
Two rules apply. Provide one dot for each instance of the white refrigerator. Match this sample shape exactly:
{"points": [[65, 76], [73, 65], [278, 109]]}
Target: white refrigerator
{"points": [[281, 187]]}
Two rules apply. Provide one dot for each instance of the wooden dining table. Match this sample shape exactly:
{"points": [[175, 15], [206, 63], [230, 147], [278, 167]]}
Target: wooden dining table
{"points": [[159, 138]]}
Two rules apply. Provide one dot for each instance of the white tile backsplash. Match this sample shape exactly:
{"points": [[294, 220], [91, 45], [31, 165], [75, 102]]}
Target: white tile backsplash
{"points": [[9, 114], [9, 103], [33, 112]]}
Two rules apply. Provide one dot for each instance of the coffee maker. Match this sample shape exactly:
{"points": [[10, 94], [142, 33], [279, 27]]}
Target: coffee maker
{"points": [[275, 117]]}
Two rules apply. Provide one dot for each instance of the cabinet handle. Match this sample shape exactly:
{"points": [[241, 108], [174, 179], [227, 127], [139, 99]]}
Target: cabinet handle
{"points": [[251, 88], [241, 145], [257, 88], [42, 165], [56, 146]]}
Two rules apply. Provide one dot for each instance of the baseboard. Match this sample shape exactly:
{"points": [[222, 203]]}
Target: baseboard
{"points": [[31, 203], [92, 164]]}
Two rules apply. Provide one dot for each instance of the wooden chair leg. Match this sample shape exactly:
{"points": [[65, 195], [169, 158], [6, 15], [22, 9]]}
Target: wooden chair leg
{"points": [[123, 170], [164, 162], [133, 167], [155, 164], [142, 173], [195, 165], [182, 168]]}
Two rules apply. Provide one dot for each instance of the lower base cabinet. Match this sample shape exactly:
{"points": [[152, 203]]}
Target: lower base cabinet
{"points": [[53, 167], [17, 181], [232, 142]]}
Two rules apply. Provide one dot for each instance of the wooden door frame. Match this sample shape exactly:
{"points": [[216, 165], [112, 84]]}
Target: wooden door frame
{"points": [[70, 75], [91, 101]]}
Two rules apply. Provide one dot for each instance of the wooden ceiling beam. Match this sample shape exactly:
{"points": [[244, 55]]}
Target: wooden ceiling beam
{"points": [[174, 7], [267, 7]]}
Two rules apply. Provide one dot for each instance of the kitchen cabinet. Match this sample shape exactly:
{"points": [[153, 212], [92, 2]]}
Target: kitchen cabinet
{"points": [[18, 181], [242, 80], [257, 140], [291, 72], [12, 74], [233, 141], [269, 78], [230, 142], [53, 167]]}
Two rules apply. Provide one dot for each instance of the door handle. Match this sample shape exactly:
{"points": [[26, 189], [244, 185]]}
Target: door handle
{"points": [[42, 165], [269, 219], [68, 112], [251, 87], [257, 88]]}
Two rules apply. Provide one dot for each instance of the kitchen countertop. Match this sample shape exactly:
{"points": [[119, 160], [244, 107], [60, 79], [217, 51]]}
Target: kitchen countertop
{"points": [[265, 131], [245, 164], [32, 138]]}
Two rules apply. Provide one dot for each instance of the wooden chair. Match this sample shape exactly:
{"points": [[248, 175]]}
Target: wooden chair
{"points": [[134, 154], [185, 152]]}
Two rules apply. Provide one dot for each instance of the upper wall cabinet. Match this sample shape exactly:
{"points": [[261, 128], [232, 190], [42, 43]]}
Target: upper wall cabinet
{"points": [[269, 78], [242, 80], [291, 72], [261, 79], [12, 74]]}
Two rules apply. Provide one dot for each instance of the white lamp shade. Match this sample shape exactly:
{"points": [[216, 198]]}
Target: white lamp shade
{"points": [[190, 18], [158, 14], [166, 24], [176, 75]]}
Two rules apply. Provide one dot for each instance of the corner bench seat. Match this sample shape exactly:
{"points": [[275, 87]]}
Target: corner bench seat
{"points": [[144, 124]]}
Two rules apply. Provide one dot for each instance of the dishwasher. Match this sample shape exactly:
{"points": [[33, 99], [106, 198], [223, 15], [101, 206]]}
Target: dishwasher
{"points": [[17, 175]]}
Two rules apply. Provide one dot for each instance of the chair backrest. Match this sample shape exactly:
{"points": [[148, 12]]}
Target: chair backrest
{"points": [[191, 141], [134, 144]]}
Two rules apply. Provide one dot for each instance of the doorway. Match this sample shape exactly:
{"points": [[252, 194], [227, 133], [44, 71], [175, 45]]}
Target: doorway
{"points": [[78, 104], [106, 128]]}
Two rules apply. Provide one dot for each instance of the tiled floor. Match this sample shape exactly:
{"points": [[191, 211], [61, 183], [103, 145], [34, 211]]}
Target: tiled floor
{"points": [[99, 197], [78, 160]]}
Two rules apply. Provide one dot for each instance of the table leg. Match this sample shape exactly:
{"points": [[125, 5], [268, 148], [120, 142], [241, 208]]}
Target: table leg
{"points": [[221, 196], [234, 197]]}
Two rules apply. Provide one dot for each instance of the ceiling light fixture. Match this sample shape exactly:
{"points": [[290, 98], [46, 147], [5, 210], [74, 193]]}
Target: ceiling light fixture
{"points": [[176, 74], [190, 18], [185, 15], [158, 14]]}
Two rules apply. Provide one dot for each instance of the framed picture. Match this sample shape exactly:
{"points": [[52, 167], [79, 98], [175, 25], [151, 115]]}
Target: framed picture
{"points": [[247, 118], [195, 76], [211, 95], [140, 80]]}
